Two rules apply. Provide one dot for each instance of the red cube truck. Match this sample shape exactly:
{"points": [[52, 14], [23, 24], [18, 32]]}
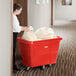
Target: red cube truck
{"points": [[39, 53]]}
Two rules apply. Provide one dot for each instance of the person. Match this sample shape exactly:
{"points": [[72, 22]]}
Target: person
{"points": [[17, 9]]}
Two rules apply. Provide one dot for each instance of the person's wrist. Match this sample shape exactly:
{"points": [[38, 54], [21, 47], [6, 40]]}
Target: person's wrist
{"points": [[26, 28]]}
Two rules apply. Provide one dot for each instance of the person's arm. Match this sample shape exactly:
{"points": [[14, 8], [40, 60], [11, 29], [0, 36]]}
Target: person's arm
{"points": [[16, 25], [24, 28]]}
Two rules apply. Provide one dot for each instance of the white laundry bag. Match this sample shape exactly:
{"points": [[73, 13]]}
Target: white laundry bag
{"points": [[40, 34], [29, 35], [45, 33]]}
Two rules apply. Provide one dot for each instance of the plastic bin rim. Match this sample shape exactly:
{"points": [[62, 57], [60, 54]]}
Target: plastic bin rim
{"points": [[58, 38]]}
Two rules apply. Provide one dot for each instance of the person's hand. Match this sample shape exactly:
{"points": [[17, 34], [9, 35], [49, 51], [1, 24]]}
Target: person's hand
{"points": [[26, 28]]}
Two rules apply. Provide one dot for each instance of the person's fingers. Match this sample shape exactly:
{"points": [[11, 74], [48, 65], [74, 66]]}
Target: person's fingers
{"points": [[26, 29]]}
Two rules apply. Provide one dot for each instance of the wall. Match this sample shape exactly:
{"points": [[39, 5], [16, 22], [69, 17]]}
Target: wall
{"points": [[5, 37], [39, 14], [65, 12]]}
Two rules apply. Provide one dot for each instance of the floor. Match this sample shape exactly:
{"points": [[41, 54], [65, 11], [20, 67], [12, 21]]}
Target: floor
{"points": [[66, 59]]}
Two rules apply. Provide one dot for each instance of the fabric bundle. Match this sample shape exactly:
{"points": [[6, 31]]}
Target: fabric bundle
{"points": [[45, 33], [40, 34], [29, 35]]}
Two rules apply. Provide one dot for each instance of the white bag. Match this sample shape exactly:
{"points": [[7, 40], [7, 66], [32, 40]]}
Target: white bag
{"points": [[45, 33], [29, 35], [40, 34]]}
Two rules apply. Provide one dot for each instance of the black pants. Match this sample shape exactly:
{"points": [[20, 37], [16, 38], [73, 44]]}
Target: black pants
{"points": [[14, 47]]}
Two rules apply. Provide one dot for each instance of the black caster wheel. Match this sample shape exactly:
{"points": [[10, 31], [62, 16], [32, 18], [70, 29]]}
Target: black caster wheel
{"points": [[50, 65], [27, 68], [43, 67]]}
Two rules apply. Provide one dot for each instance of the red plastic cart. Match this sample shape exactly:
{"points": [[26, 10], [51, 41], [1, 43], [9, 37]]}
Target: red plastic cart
{"points": [[39, 53]]}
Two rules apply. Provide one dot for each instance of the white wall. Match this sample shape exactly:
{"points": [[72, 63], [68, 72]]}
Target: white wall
{"points": [[65, 12], [5, 37], [39, 14]]}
